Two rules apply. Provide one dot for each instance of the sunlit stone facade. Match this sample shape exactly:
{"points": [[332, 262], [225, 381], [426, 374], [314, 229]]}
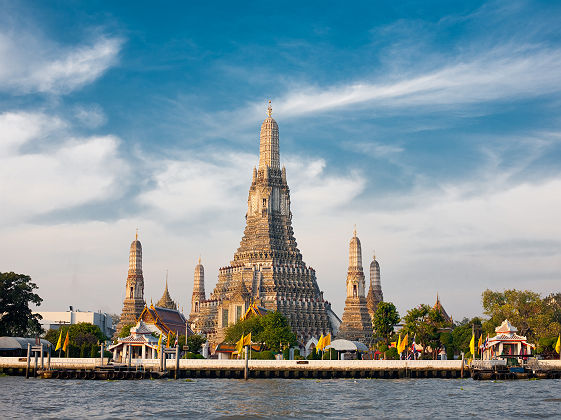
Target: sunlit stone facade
{"points": [[375, 295], [267, 268], [357, 323], [134, 289]]}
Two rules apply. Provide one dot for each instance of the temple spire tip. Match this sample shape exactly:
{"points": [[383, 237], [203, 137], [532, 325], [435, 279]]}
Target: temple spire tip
{"points": [[269, 109]]}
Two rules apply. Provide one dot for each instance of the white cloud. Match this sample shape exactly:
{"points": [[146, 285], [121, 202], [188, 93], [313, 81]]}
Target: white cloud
{"points": [[91, 116], [18, 128], [30, 63], [38, 177], [505, 72], [191, 187]]}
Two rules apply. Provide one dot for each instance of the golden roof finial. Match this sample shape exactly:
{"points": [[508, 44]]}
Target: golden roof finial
{"points": [[199, 260], [374, 254], [354, 231], [269, 109], [136, 237]]}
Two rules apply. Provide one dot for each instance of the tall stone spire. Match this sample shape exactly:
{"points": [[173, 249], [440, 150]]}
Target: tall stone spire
{"points": [[166, 301], [267, 269], [357, 324], [375, 295], [134, 289], [199, 294], [269, 155]]}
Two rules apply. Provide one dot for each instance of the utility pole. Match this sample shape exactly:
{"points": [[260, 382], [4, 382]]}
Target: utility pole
{"points": [[246, 368]]}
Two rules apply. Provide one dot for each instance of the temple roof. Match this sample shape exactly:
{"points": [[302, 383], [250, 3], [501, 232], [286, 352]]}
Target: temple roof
{"points": [[165, 319], [140, 328], [256, 310], [506, 327], [166, 301], [441, 309]]}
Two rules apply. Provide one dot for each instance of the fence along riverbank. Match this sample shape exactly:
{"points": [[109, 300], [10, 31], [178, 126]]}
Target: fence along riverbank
{"points": [[91, 368]]}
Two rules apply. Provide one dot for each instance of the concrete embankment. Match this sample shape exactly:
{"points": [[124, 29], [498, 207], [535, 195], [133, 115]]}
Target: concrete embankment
{"points": [[209, 368], [90, 368]]}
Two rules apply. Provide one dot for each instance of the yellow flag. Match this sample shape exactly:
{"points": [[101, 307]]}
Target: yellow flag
{"points": [[480, 342], [327, 340], [168, 340], [239, 345], [404, 342], [66, 341], [472, 345], [399, 344], [59, 342], [160, 344], [558, 345], [247, 340], [319, 345]]}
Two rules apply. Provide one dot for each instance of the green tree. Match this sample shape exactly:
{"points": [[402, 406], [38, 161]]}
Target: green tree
{"points": [[194, 341], [126, 330], [461, 334], [82, 333], [424, 323], [271, 329], [384, 319], [16, 317], [526, 310]]}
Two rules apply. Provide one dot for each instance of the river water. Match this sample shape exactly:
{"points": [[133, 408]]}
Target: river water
{"points": [[280, 398]]}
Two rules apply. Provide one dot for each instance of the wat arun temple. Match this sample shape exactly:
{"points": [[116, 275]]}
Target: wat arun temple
{"points": [[267, 270]]}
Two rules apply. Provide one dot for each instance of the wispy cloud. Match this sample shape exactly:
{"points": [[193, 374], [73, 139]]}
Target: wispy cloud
{"points": [[30, 63], [502, 73]]}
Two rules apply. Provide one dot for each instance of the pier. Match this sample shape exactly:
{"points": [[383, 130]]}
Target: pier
{"points": [[90, 368]]}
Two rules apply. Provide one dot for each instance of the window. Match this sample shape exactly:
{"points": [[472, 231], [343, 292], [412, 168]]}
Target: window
{"points": [[131, 292], [355, 294], [238, 312]]}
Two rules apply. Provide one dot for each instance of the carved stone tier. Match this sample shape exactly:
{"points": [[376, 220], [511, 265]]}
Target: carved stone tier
{"points": [[267, 268]]}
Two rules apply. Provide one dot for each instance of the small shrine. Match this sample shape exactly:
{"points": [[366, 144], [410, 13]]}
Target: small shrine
{"points": [[506, 342], [141, 343]]}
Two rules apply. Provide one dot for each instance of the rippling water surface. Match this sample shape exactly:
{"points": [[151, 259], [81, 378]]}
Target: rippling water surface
{"points": [[281, 398]]}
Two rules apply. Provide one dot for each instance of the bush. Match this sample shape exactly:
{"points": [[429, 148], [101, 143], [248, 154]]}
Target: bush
{"points": [[330, 355], [313, 355], [392, 354], [191, 355], [263, 355]]}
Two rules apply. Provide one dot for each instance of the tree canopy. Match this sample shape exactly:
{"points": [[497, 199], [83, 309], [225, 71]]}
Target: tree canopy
{"points": [[424, 323], [125, 331], [526, 310], [16, 317], [78, 334], [385, 317], [271, 329]]}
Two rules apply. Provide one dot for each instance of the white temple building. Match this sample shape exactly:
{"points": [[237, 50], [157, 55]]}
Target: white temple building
{"points": [[506, 342], [141, 343]]}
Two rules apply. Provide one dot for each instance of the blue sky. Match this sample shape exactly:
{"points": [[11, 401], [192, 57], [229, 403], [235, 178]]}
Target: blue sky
{"points": [[432, 126]]}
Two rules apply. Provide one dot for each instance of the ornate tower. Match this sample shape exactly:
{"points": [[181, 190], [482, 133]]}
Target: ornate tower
{"points": [[134, 290], [357, 324], [199, 294], [267, 269], [375, 295], [166, 301]]}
